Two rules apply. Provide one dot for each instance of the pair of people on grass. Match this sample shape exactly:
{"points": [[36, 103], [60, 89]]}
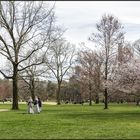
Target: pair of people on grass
{"points": [[34, 106]]}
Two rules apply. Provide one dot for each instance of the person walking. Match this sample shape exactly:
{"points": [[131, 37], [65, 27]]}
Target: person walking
{"points": [[36, 105], [30, 106], [40, 104]]}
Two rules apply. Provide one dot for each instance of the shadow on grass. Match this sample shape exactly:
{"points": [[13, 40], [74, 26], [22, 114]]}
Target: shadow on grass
{"points": [[23, 113], [101, 116]]}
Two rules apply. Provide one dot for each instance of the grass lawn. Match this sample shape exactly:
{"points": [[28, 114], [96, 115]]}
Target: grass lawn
{"points": [[71, 122]]}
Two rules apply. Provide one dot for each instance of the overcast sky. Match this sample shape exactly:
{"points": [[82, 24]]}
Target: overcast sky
{"points": [[80, 17]]}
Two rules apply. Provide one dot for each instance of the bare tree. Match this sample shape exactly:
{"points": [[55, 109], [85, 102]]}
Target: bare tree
{"points": [[98, 62], [108, 35], [90, 62], [87, 66], [76, 84], [31, 75], [59, 60], [125, 52], [25, 27]]}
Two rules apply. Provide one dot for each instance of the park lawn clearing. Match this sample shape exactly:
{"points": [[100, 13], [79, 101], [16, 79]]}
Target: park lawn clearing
{"points": [[71, 122]]}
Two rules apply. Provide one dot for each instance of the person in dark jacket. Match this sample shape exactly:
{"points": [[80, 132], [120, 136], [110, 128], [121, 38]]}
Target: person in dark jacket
{"points": [[40, 104]]}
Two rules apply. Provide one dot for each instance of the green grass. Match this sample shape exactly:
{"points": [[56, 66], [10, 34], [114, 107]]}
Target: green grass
{"points": [[71, 122]]}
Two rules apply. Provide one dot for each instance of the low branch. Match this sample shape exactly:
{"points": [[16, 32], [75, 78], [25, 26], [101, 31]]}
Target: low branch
{"points": [[35, 64], [7, 77]]}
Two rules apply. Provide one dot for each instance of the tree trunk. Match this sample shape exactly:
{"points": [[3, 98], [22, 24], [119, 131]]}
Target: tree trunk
{"points": [[15, 89], [98, 88], [137, 102], [58, 93], [97, 98], [106, 99], [33, 94], [106, 92], [90, 100], [32, 86]]}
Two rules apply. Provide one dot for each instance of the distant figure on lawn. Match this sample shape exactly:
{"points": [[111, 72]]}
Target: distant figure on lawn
{"points": [[36, 105], [40, 104], [30, 106]]}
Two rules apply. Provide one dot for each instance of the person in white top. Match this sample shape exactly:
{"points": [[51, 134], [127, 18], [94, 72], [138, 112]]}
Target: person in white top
{"points": [[30, 106]]}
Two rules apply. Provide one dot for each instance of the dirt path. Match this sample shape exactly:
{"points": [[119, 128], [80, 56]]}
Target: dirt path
{"points": [[50, 103], [1, 110]]}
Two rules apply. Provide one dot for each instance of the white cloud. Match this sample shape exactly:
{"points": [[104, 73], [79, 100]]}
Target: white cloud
{"points": [[80, 17]]}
